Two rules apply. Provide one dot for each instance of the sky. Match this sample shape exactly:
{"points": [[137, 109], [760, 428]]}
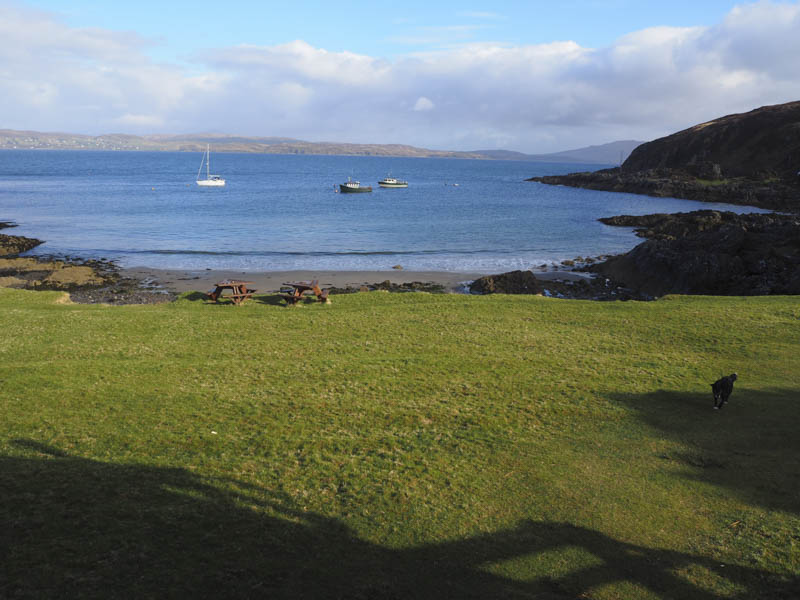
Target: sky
{"points": [[530, 76]]}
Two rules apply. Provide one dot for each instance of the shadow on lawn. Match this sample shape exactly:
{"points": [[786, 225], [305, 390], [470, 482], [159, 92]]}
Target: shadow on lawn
{"points": [[750, 447], [270, 299], [195, 297], [80, 528]]}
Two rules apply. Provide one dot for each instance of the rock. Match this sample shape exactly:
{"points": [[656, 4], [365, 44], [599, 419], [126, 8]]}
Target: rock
{"points": [[515, 282], [70, 275], [388, 286], [710, 252], [677, 225], [12, 245], [86, 281], [593, 288]]}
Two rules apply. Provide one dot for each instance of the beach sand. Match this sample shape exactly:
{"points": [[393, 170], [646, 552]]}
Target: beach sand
{"points": [[271, 281]]}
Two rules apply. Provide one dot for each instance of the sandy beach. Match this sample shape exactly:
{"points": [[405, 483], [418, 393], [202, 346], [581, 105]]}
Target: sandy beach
{"points": [[271, 281]]}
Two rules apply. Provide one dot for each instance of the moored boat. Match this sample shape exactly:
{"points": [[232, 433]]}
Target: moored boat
{"points": [[391, 182], [353, 187], [210, 180]]}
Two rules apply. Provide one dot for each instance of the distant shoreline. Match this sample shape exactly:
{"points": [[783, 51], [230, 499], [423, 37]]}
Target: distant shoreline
{"points": [[602, 155]]}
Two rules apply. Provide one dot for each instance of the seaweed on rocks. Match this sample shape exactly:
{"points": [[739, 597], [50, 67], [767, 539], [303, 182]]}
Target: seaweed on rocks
{"points": [[388, 286]]}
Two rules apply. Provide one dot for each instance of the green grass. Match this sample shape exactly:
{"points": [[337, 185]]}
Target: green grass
{"points": [[714, 182], [400, 446]]}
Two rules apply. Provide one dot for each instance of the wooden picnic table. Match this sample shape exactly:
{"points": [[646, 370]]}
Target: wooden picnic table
{"points": [[298, 288], [239, 289]]}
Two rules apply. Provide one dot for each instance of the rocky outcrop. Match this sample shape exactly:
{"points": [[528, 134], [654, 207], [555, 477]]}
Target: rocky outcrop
{"points": [[87, 281], [515, 282], [389, 286], [669, 183], [12, 245], [710, 252], [751, 159], [679, 225], [580, 288]]}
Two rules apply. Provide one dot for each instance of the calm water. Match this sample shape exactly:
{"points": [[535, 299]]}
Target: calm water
{"points": [[281, 213]]}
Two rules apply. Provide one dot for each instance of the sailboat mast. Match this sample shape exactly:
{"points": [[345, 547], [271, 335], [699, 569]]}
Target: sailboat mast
{"points": [[208, 161]]}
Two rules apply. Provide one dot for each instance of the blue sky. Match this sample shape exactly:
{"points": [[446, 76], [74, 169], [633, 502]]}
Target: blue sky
{"points": [[530, 76]]}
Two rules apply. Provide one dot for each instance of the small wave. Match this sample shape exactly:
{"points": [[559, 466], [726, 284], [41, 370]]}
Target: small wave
{"points": [[472, 261], [272, 253]]}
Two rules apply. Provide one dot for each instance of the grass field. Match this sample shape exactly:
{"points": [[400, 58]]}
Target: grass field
{"points": [[399, 446]]}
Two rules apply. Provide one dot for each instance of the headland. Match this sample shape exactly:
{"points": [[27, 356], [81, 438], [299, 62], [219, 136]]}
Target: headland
{"points": [[751, 159]]}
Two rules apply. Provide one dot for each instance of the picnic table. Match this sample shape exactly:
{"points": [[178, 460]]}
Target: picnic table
{"points": [[239, 291], [296, 289]]}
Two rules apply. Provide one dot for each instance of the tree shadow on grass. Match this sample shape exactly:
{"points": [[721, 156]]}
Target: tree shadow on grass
{"points": [[751, 447], [74, 527]]}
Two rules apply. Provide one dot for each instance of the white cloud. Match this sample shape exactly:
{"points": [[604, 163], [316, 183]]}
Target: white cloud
{"points": [[138, 121], [423, 104], [532, 98]]}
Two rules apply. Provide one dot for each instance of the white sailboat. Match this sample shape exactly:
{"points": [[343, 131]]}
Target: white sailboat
{"points": [[210, 180]]}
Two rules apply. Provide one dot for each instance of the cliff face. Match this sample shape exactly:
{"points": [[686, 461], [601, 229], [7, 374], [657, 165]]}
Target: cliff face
{"points": [[761, 144], [751, 159]]}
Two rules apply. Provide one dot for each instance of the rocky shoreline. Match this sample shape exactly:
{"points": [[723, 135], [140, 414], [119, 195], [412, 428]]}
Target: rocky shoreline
{"points": [[709, 252], [675, 183], [700, 252], [100, 281], [704, 252], [573, 288], [86, 281]]}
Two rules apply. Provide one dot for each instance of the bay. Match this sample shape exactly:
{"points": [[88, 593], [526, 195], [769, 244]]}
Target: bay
{"points": [[280, 212]]}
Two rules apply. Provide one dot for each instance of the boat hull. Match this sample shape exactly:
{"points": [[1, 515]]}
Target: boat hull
{"points": [[389, 184], [354, 190], [211, 182]]}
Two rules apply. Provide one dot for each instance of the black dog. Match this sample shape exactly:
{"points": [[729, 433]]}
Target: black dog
{"points": [[722, 389]]}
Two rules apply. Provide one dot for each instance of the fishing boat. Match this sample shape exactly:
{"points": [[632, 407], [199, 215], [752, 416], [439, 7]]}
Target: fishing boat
{"points": [[210, 180], [391, 182], [353, 187]]}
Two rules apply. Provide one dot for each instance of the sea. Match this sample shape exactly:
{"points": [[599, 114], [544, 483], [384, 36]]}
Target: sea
{"points": [[281, 212]]}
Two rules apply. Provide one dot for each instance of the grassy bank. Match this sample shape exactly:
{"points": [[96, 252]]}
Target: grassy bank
{"points": [[399, 445]]}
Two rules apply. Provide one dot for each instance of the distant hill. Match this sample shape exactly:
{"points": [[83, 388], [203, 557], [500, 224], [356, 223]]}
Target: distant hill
{"points": [[613, 153], [606, 154], [11, 139]]}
